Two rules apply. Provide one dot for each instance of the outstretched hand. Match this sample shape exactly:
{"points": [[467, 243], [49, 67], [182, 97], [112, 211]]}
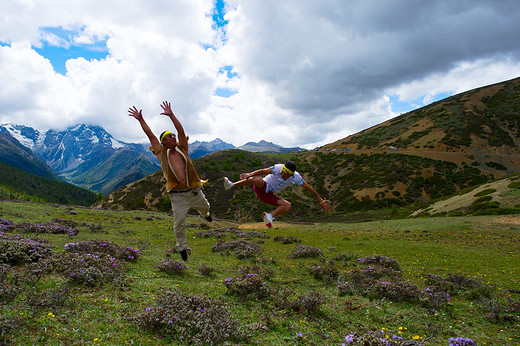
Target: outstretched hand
{"points": [[325, 206], [133, 112], [167, 108]]}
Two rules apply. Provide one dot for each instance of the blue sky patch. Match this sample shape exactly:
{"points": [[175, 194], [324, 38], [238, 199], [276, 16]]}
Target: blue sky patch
{"points": [[225, 92], [400, 107], [58, 46]]}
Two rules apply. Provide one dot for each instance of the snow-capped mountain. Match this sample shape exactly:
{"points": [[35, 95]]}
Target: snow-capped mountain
{"points": [[87, 155], [199, 149], [65, 150], [18, 156]]}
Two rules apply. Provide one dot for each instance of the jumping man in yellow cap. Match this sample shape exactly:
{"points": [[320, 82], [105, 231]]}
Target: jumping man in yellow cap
{"points": [[182, 181], [277, 178]]}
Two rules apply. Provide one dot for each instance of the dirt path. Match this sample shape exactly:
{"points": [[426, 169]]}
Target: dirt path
{"points": [[261, 225]]}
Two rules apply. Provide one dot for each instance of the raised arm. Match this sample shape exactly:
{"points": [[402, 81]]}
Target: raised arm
{"points": [[138, 114], [323, 203], [181, 136]]}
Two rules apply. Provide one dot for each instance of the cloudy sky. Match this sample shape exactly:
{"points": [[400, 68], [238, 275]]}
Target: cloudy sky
{"points": [[293, 72]]}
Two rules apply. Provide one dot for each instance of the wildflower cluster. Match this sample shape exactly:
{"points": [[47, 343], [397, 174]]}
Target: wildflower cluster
{"points": [[6, 225], [380, 278], [127, 253], [383, 337], [461, 342], [456, 284], [243, 249], [91, 269], [50, 228], [172, 267], [344, 289], [15, 249], [247, 285], [191, 319], [302, 251], [434, 298], [206, 270], [327, 272], [255, 269], [66, 222]]}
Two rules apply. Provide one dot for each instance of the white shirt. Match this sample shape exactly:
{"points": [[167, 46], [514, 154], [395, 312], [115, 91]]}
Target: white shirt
{"points": [[275, 182]]}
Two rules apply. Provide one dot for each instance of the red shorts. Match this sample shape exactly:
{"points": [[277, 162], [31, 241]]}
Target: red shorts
{"points": [[266, 197]]}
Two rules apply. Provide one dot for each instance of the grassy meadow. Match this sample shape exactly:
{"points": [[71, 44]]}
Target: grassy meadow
{"points": [[419, 281]]}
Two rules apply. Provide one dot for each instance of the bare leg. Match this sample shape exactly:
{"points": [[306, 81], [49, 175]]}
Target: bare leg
{"points": [[258, 181], [283, 207]]}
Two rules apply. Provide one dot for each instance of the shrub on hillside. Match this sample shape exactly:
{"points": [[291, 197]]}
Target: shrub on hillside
{"points": [[51, 299], [247, 286], [7, 326], [302, 251], [6, 225], [433, 298], [15, 249], [309, 303], [243, 249], [383, 261], [127, 253], [455, 284], [9, 290], [286, 239], [501, 309], [326, 272], [191, 319], [90, 269], [50, 228], [206, 270], [266, 273], [173, 267]]}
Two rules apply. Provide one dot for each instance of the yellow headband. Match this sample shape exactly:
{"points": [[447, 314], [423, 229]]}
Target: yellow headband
{"points": [[165, 133], [287, 170]]}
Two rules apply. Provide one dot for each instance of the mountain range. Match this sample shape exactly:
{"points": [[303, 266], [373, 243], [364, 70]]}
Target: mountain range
{"points": [[199, 149], [85, 155], [89, 157]]}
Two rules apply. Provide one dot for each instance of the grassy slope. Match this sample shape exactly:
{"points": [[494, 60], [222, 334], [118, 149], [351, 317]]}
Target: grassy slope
{"points": [[482, 247]]}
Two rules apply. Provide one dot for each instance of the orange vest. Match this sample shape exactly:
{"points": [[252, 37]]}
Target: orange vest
{"points": [[192, 178]]}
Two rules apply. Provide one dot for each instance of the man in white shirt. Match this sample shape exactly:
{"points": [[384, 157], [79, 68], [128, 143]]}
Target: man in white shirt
{"points": [[275, 179]]}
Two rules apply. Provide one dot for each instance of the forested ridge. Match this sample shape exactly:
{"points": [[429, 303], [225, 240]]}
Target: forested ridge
{"points": [[20, 185]]}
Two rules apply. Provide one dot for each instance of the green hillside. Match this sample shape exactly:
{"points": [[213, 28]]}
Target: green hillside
{"points": [[404, 163], [16, 155], [16, 184]]}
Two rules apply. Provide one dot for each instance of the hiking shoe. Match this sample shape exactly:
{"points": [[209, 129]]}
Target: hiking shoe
{"points": [[268, 219], [184, 255], [228, 184]]}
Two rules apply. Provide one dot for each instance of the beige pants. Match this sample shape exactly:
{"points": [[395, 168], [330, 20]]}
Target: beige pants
{"points": [[181, 204]]}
